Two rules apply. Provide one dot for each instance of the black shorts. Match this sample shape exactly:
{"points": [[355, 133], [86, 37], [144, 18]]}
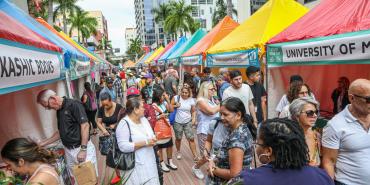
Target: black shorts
{"points": [[166, 145]]}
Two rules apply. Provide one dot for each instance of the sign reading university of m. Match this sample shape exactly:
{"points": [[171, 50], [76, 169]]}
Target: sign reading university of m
{"points": [[20, 66]]}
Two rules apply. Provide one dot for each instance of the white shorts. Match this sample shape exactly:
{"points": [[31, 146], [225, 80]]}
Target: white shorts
{"points": [[71, 156]]}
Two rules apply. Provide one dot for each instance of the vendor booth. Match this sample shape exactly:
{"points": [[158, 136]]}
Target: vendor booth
{"points": [[245, 45], [335, 43], [168, 47], [164, 58]]}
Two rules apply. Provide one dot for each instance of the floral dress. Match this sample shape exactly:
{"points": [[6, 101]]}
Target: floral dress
{"points": [[238, 138]]}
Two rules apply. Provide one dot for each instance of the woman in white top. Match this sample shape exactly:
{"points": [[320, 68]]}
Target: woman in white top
{"points": [[207, 112], [184, 119], [143, 140], [27, 158]]}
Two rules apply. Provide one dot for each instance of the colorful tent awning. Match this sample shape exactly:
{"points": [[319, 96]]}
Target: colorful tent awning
{"points": [[176, 46], [69, 52], [129, 64], [169, 46], [27, 59], [222, 29], [196, 37], [156, 52], [146, 56], [328, 18], [272, 18]]}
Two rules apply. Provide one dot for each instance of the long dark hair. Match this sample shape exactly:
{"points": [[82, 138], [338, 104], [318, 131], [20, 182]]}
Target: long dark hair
{"points": [[287, 140], [294, 90], [235, 105], [157, 95], [22, 148]]}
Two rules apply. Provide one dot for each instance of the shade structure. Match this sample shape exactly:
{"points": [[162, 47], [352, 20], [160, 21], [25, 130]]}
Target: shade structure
{"points": [[146, 56], [196, 37], [328, 18], [168, 47], [129, 64], [196, 53], [27, 59], [142, 56], [69, 52], [155, 53], [176, 46], [244, 44]]}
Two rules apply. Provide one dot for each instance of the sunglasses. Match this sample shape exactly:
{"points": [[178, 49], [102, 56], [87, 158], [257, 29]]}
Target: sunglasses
{"points": [[366, 98], [311, 113]]}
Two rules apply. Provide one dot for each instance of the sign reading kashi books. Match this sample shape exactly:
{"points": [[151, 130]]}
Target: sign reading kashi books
{"points": [[20, 66]]}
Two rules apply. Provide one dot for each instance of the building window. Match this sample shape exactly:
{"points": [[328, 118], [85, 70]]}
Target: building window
{"points": [[209, 1], [194, 2], [210, 10], [202, 1], [195, 12], [202, 12], [203, 23]]}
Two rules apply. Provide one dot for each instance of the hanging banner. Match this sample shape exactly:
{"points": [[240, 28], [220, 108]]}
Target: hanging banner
{"points": [[79, 68], [22, 65], [174, 61], [239, 58], [192, 60], [354, 46]]}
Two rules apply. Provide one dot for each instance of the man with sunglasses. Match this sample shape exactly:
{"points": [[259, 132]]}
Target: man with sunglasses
{"points": [[346, 139], [73, 128]]}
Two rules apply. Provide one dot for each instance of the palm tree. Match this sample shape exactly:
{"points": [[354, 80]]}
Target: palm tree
{"points": [[37, 8], [180, 19], [65, 7], [84, 24], [221, 12], [194, 26], [134, 50], [160, 15]]}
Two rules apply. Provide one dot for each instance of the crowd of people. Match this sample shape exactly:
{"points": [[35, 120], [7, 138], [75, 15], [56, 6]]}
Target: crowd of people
{"points": [[224, 121]]}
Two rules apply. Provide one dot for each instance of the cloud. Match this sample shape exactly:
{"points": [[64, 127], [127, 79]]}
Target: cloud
{"points": [[120, 14]]}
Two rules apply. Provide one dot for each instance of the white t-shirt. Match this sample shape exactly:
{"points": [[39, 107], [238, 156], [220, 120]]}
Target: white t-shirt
{"points": [[244, 93], [284, 102], [183, 114]]}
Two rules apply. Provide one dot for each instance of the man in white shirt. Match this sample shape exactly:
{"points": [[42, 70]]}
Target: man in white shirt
{"points": [[345, 140], [241, 91]]}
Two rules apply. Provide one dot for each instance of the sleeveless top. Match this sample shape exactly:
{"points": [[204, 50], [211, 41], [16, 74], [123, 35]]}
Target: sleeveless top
{"points": [[44, 168]]}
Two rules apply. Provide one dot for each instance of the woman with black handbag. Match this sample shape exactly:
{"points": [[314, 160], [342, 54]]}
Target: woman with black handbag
{"points": [[108, 117], [135, 135]]}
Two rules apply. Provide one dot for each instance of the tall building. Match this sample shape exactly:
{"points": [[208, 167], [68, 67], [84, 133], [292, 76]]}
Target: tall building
{"points": [[130, 33], [145, 21], [203, 10]]}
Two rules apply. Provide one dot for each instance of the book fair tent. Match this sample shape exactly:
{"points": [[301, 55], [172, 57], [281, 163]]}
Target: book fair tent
{"points": [[244, 46], [155, 53], [141, 62], [69, 52], [334, 43], [175, 47], [195, 38], [168, 47], [196, 54]]}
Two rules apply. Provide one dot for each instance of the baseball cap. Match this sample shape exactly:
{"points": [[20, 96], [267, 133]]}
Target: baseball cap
{"points": [[148, 75], [252, 69], [110, 80], [132, 91]]}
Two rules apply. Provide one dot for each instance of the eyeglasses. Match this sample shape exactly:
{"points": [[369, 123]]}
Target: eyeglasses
{"points": [[259, 144], [366, 98], [311, 113], [303, 93]]}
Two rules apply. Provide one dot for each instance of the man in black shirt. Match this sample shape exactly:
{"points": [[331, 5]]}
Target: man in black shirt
{"points": [[73, 128], [259, 92]]}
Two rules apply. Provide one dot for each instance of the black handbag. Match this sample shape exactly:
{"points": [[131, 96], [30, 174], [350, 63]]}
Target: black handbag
{"points": [[105, 144], [120, 160]]}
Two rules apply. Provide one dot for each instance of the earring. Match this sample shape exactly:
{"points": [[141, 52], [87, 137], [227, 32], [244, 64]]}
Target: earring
{"points": [[260, 159]]}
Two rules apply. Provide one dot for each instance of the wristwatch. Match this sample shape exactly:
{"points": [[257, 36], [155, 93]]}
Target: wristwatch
{"points": [[83, 147]]}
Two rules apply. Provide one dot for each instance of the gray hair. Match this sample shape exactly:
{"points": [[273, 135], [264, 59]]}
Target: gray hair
{"points": [[223, 70], [296, 107], [44, 95]]}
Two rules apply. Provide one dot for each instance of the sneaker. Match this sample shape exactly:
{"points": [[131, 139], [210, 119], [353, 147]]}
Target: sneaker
{"points": [[115, 180], [197, 172], [164, 167], [178, 156], [171, 165]]}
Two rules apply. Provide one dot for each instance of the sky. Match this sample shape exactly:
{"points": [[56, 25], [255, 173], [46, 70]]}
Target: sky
{"points": [[120, 14]]}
